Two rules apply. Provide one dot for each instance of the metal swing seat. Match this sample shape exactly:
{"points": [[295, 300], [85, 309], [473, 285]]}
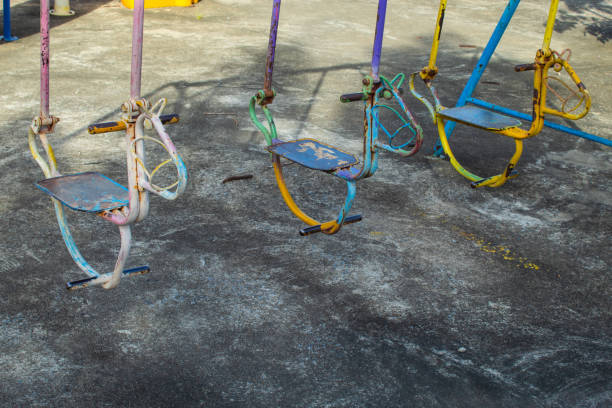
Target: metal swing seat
{"points": [[89, 192], [479, 118], [488, 120], [92, 192], [315, 155]]}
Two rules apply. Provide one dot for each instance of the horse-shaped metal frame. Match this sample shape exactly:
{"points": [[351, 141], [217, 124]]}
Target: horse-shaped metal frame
{"points": [[315, 155], [491, 121], [93, 192]]}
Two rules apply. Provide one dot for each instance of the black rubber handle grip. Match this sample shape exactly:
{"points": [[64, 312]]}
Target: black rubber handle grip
{"points": [[525, 67], [317, 228], [352, 97]]}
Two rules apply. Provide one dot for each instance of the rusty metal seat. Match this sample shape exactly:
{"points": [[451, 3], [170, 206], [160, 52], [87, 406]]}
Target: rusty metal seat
{"points": [[90, 192], [313, 154], [480, 118]]}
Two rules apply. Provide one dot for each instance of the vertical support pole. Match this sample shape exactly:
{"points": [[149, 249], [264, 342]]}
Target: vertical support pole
{"points": [[481, 66], [138, 198], [271, 47], [550, 25], [6, 8], [378, 38], [137, 29], [44, 59], [435, 43]]}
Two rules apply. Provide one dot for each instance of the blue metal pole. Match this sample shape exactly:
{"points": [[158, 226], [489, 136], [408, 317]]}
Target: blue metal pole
{"points": [[480, 66], [556, 126], [6, 7], [378, 37]]}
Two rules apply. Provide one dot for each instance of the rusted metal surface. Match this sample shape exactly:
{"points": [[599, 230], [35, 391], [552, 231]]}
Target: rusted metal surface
{"points": [[352, 97], [313, 154], [93, 192], [44, 58], [106, 127], [525, 67], [271, 49], [89, 192], [137, 29]]}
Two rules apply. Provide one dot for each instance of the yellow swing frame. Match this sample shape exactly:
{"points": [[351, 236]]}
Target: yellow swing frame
{"points": [[545, 59]]}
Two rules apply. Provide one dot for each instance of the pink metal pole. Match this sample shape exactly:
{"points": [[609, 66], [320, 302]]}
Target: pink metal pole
{"points": [[44, 58], [136, 49]]}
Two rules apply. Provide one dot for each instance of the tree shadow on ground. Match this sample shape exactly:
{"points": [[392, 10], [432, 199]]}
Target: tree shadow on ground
{"points": [[594, 15]]}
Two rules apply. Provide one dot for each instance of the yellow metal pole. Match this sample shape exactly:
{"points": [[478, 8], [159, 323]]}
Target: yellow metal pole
{"points": [[431, 70], [437, 33], [550, 25]]}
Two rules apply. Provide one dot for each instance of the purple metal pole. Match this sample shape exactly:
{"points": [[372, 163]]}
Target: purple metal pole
{"points": [[44, 58], [378, 37], [137, 27], [272, 45]]}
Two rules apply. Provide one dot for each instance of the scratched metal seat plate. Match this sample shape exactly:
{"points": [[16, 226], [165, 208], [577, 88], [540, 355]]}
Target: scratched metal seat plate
{"points": [[313, 154], [89, 192], [480, 118]]}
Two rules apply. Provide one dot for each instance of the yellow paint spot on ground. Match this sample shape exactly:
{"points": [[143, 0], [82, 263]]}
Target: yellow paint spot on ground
{"points": [[376, 232], [484, 245], [490, 248]]}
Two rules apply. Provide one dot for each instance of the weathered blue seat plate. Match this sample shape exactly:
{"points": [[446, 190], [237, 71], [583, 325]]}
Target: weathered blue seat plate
{"points": [[480, 118], [313, 154], [89, 192]]}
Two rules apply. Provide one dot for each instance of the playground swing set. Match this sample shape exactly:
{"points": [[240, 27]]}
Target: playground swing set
{"points": [[482, 115], [93, 192], [310, 153]]}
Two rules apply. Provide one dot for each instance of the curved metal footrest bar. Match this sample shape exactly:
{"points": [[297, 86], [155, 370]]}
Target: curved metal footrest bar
{"points": [[99, 280], [494, 181], [329, 227], [317, 228], [477, 181]]}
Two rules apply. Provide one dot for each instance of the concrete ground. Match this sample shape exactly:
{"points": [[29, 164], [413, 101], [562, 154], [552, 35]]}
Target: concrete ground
{"points": [[443, 296]]}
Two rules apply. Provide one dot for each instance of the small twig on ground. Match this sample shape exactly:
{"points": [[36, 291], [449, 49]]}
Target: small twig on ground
{"points": [[238, 177]]}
